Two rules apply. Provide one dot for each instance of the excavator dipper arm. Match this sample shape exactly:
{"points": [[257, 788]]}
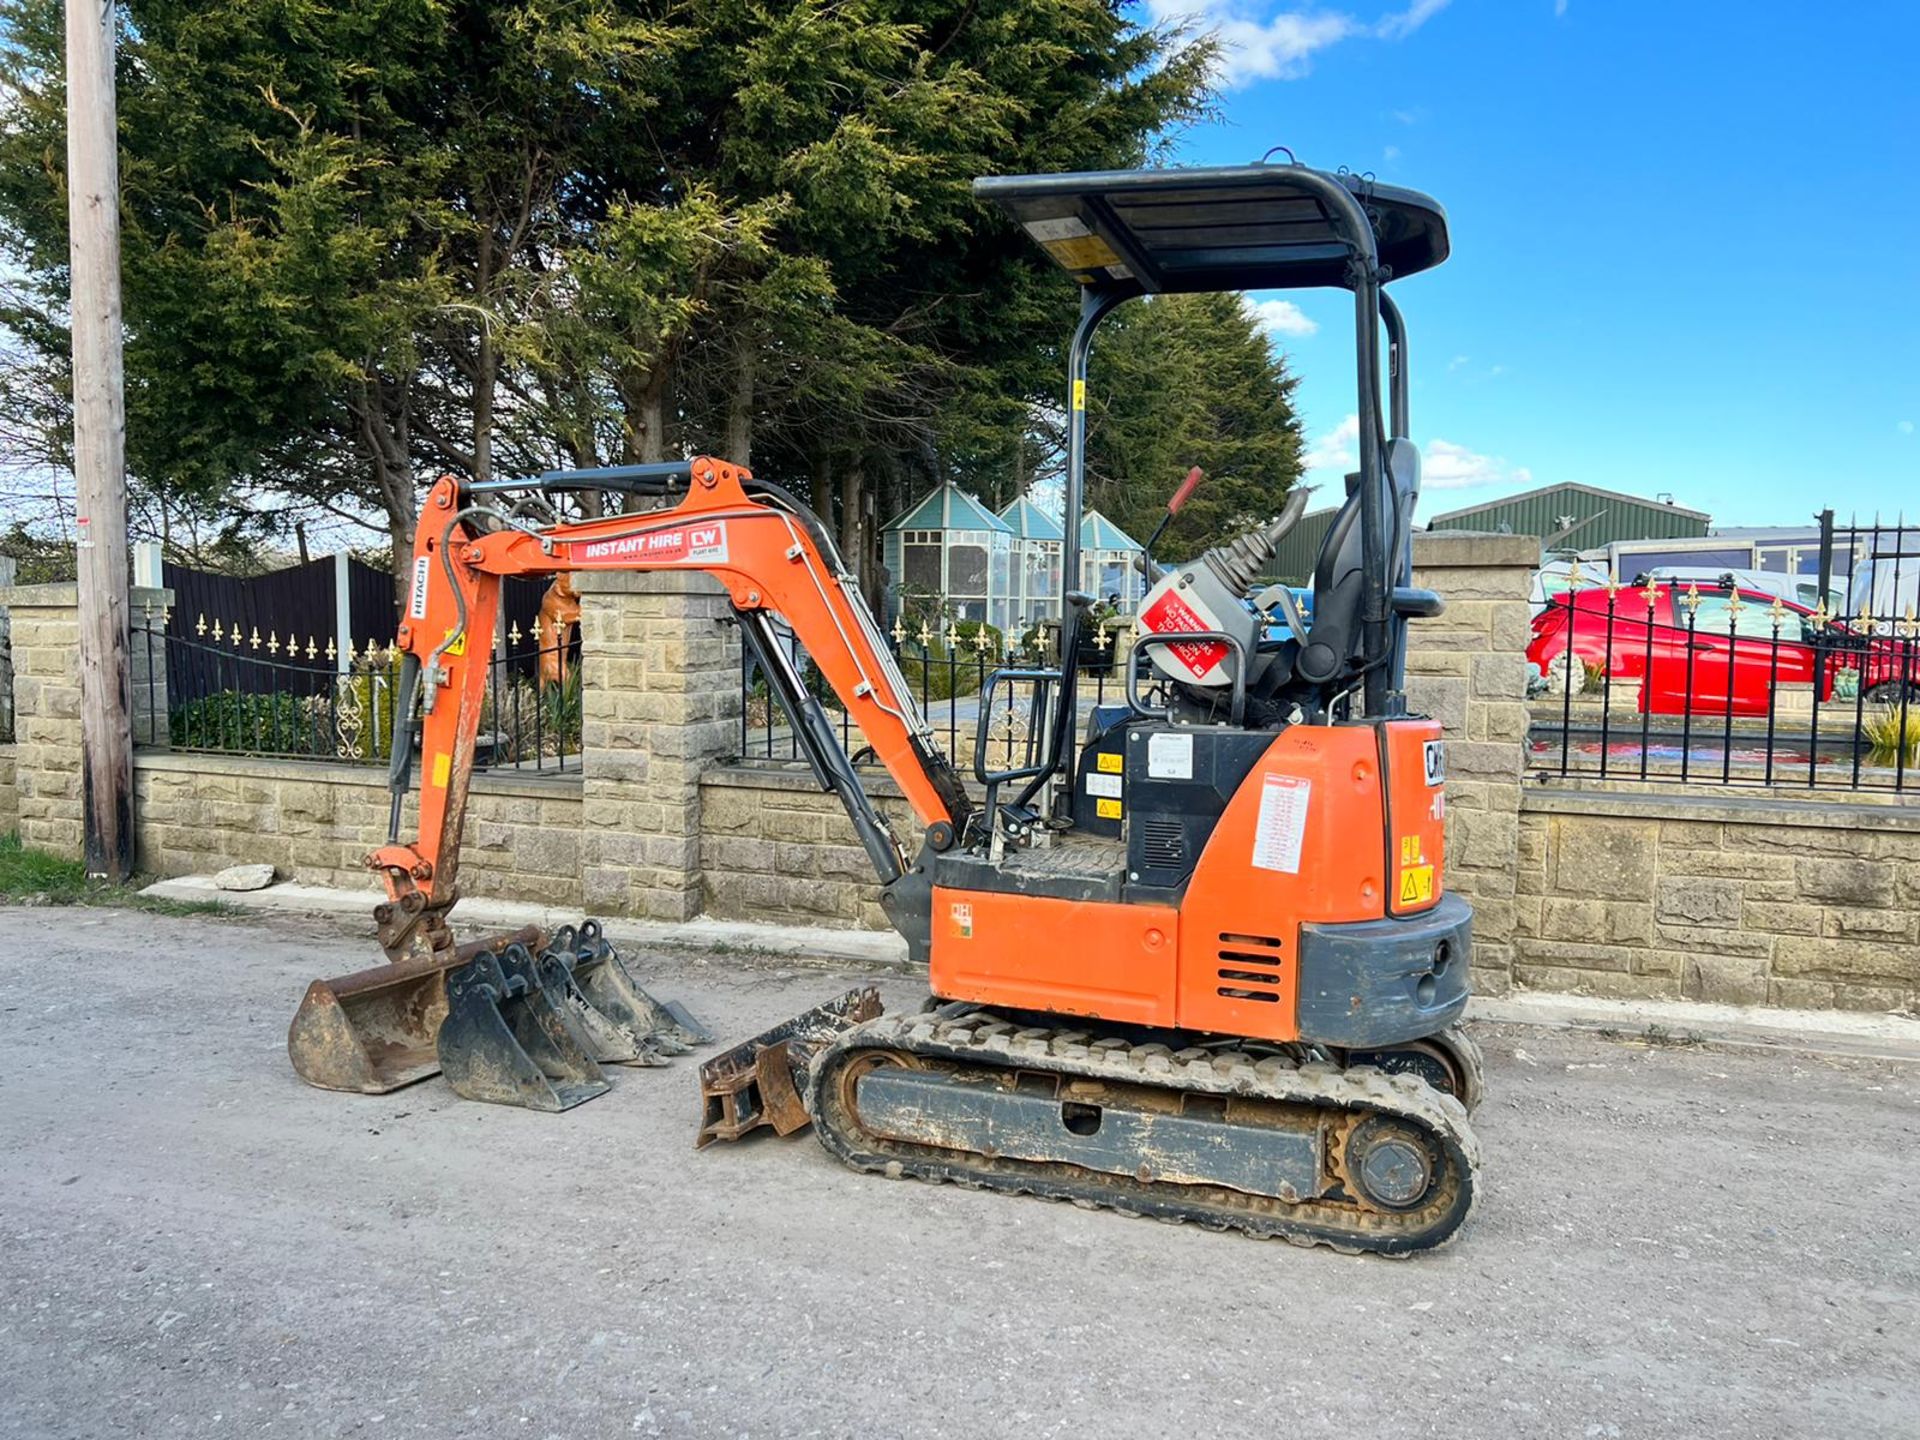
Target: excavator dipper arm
{"points": [[771, 555]]}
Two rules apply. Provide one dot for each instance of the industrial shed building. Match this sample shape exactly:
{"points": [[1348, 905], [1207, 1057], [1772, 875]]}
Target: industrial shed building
{"points": [[1578, 517]]}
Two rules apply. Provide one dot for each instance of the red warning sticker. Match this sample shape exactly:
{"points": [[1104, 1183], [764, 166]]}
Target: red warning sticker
{"points": [[1170, 615]]}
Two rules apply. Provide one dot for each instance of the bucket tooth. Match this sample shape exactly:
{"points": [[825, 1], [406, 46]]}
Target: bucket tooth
{"points": [[509, 1041], [760, 1081]]}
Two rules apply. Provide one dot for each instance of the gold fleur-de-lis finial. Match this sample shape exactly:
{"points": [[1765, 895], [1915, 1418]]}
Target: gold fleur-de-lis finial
{"points": [[953, 634], [513, 633], [273, 643], [333, 651], [200, 625], [980, 640], [216, 630], [1820, 616], [1613, 582], [1733, 605], [313, 647], [1652, 592], [899, 631], [1574, 577], [1103, 638], [1692, 602], [233, 631], [146, 612], [926, 636], [1778, 611]]}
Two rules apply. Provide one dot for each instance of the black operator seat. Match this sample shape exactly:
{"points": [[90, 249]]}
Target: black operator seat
{"points": [[1331, 653]]}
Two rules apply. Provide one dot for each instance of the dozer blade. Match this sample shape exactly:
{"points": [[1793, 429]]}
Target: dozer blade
{"points": [[609, 987], [508, 1040], [373, 1031], [760, 1081]]}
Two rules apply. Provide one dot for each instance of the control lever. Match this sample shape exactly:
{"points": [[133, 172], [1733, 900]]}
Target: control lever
{"points": [[1282, 598]]}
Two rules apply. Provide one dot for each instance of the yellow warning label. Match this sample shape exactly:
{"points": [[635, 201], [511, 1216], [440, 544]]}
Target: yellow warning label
{"points": [[1410, 850], [442, 768], [1079, 394], [459, 645], [1416, 884], [1107, 809], [1110, 764], [1080, 252]]}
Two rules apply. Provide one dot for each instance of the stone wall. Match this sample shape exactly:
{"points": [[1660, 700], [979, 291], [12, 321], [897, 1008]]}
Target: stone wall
{"points": [[316, 823], [9, 796], [1733, 898], [775, 846]]}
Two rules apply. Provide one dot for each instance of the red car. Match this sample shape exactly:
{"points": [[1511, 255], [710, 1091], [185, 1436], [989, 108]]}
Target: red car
{"points": [[1735, 663]]}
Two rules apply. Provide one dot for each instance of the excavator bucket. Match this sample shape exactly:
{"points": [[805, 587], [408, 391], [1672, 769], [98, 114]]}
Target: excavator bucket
{"points": [[509, 1040], [760, 1081], [374, 1031], [609, 987]]}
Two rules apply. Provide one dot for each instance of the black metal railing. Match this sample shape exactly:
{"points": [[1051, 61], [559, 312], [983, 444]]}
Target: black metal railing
{"points": [[946, 671], [1723, 684], [249, 695]]}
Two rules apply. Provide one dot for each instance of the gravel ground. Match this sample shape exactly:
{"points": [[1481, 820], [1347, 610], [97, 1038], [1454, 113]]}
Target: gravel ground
{"points": [[1671, 1241]]}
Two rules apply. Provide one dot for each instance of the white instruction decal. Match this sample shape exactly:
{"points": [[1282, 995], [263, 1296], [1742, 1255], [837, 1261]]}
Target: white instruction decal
{"points": [[1282, 824], [422, 570], [1098, 784], [1169, 756]]}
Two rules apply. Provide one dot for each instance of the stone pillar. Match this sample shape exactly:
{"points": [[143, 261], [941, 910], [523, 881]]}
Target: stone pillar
{"points": [[1468, 670], [660, 701], [45, 622], [46, 715]]}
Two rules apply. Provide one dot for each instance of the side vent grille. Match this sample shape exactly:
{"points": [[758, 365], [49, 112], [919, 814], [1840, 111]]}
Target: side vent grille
{"points": [[1163, 843], [1250, 967]]}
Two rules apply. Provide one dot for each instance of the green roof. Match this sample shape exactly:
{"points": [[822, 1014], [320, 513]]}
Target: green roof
{"points": [[1097, 532], [1580, 516], [947, 507], [1030, 522]]}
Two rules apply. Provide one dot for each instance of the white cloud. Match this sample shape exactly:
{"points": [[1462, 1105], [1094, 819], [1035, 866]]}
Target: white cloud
{"points": [[1447, 466], [1337, 451], [1257, 45], [1559, 8], [1391, 153], [1283, 317], [1905, 427], [1457, 361], [1403, 23]]}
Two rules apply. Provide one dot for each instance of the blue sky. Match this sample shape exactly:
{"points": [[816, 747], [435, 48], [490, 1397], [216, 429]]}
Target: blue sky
{"points": [[1686, 237]]}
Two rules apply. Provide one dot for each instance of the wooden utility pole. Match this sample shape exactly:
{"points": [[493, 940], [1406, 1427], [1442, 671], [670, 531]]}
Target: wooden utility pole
{"points": [[99, 440]]}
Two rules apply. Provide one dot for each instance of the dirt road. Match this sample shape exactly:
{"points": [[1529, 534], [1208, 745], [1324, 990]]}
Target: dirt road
{"points": [[1672, 1242]]}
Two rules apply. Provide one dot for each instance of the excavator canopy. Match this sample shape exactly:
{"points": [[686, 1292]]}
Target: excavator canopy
{"points": [[1237, 227]]}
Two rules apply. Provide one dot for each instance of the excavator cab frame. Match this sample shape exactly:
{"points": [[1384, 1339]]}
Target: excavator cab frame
{"points": [[1127, 234]]}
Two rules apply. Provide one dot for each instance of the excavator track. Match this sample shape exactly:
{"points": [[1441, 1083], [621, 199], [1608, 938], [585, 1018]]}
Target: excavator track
{"points": [[1355, 1159]]}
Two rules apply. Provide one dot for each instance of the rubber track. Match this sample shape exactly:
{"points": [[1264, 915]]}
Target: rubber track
{"points": [[981, 1040]]}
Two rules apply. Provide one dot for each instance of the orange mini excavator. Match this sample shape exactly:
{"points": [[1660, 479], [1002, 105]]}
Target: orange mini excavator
{"points": [[1190, 956]]}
